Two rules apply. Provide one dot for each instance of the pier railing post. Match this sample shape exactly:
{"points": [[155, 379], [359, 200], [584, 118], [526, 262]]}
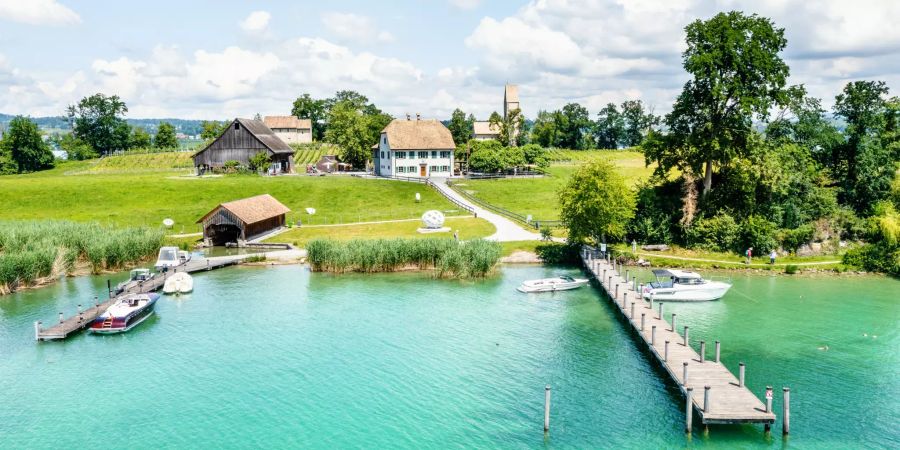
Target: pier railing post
{"points": [[37, 330], [660, 310], [768, 399], [617, 291], [642, 321], [624, 300], [632, 310], [686, 334], [604, 277], [547, 408], [718, 351], [706, 398], [684, 375], [674, 317], [627, 272], [741, 368], [108, 288], [96, 302], [61, 318], [702, 351], [666, 352], [653, 335], [688, 412], [786, 412]]}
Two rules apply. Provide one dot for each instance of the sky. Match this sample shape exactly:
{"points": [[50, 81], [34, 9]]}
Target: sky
{"points": [[222, 59]]}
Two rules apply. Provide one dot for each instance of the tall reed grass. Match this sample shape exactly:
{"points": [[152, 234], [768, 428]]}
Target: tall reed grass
{"points": [[449, 258], [30, 250]]}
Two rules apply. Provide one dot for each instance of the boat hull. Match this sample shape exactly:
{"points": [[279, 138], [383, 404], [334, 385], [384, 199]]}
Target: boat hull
{"points": [[709, 292], [131, 324], [180, 283], [119, 320], [550, 287]]}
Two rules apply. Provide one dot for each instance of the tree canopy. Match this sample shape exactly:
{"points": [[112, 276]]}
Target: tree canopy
{"points": [[165, 136], [22, 148], [99, 121], [460, 126], [596, 204], [316, 110]]}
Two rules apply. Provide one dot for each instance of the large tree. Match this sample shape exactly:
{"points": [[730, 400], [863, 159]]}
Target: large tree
{"points": [[636, 122], [99, 121], [544, 131], [165, 136], [596, 204], [737, 75], [574, 125], [348, 128], [139, 138], [306, 107], [211, 129], [23, 144], [609, 130], [509, 126], [460, 127]]}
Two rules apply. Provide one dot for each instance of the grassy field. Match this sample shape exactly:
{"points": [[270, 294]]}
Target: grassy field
{"points": [[469, 228], [139, 198], [699, 259], [308, 156], [537, 196], [147, 162]]}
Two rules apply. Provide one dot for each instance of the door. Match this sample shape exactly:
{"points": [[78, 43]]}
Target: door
{"points": [[422, 170]]}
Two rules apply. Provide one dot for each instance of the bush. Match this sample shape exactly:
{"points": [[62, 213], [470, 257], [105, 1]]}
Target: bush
{"points": [[259, 161], [791, 269], [231, 166], [559, 254], [760, 234], [791, 240], [719, 233]]}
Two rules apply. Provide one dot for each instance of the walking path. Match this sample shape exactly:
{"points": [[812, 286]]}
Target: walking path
{"points": [[685, 258], [507, 230]]}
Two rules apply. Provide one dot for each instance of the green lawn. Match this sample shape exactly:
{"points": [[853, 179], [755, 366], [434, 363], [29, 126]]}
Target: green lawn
{"points": [[538, 196], [142, 198], [700, 259], [469, 228]]}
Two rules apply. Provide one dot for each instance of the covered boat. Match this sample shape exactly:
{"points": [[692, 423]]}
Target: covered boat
{"points": [[168, 257], [136, 276], [125, 314], [178, 283], [682, 286], [561, 283]]}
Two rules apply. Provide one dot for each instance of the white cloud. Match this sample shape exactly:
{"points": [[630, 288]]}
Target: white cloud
{"points": [[256, 22], [349, 27], [38, 12], [465, 4]]}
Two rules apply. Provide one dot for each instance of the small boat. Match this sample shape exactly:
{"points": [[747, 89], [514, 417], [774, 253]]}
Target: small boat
{"points": [[136, 276], [561, 283], [178, 283], [168, 257], [183, 256], [682, 286], [125, 314]]}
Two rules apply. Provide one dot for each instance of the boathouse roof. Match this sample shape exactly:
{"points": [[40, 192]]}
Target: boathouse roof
{"points": [[252, 209]]}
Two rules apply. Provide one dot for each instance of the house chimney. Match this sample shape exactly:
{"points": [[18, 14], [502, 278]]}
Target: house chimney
{"points": [[407, 116], [418, 116]]}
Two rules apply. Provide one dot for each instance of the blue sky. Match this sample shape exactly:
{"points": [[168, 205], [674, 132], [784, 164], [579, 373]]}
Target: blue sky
{"points": [[221, 59]]}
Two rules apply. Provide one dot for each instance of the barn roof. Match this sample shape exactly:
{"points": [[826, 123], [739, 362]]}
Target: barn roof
{"points": [[252, 209], [484, 127], [287, 122], [418, 135], [260, 131]]}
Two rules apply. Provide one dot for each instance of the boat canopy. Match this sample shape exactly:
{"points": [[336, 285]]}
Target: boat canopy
{"points": [[675, 273]]}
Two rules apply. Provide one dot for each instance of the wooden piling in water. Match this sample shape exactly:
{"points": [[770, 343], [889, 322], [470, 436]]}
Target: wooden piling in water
{"points": [[642, 321], [686, 339], [37, 330], [660, 311], [653, 335], [786, 412], [666, 354], [706, 404], [632, 310], [674, 317], [688, 410], [702, 351], [741, 375], [718, 351], [547, 408], [684, 374]]}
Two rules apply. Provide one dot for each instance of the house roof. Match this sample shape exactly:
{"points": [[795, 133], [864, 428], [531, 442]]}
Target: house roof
{"points": [[511, 93], [418, 135], [485, 127], [252, 209], [287, 122]]}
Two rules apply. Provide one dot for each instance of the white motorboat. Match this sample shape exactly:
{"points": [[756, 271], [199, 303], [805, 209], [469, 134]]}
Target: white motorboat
{"points": [[561, 283], [682, 286], [125, 314], [178, 283], [168, 257]]}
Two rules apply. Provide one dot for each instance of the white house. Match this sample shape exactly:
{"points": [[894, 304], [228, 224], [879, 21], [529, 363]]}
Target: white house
{"points": [[483, 131], [290, 129], [414, 148]]}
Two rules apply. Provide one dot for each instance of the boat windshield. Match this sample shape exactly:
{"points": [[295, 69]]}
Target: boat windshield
{"points": [[567, 278], [689, 281], [167, 254]]}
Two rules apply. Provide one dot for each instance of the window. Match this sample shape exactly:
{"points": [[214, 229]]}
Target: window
{"points": [[434, 169], [384, 140], [445, 168], [445, 154], [400, 155], [411, 169], [382, 154], [401, 169], [423, 155], [237, 126], [434, 154]]}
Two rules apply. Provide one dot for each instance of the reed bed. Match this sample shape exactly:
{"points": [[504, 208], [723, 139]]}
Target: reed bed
{"points": [[30, 250], [447, 257]]}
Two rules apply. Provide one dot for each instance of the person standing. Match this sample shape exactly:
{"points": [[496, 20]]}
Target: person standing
{"points": [[749, 255], [772, 257], [456, 235]]}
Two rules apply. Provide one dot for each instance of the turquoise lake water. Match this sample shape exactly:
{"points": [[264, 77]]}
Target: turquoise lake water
{"points": [[277, 357]]}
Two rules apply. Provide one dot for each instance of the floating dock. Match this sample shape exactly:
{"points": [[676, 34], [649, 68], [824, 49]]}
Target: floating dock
{"points": [[65, 327], [710, 389]]}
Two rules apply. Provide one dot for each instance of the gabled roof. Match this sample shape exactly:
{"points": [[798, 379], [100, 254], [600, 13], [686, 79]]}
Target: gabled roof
{"points": [[287, 122], [511, 93], [252, 209], [418, 135], [260, 131], [485, 127]]}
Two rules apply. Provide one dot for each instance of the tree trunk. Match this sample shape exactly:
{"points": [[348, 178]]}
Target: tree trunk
{"points": [[707, 178]]}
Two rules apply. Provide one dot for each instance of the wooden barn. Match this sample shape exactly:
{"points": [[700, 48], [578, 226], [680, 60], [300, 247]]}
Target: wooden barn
{"points": [[243, 220], [240, 141]]}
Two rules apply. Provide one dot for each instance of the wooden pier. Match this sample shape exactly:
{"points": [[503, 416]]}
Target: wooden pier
{"points": [[710, 389], [65, 327]]}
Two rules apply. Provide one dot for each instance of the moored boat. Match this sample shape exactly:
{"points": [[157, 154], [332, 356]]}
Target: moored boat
{"points": [[136, 276], [168, 257], [178, 283], [125, 314], [561, 283], [683, 286]]}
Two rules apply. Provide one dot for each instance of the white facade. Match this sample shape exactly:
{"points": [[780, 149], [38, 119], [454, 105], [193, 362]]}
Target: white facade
{"points": [[412, 163], [294, 135]]}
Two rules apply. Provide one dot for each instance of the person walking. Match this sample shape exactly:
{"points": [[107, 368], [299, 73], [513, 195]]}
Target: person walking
{"points": [[772, 257], [749, 255], [456, 235]]}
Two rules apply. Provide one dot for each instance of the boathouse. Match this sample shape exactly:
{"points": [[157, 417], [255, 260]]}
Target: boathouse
{"points": [[243, 220], [241, 140]]}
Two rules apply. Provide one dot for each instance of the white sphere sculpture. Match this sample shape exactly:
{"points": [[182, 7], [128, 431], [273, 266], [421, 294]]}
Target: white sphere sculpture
{"points": [[168, 223], [433, 219]]}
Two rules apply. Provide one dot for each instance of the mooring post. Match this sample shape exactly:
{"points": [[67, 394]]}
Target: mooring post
{"points": [[688, 412], [108, 288], [686, 338], [604, 277], [706, 398], [674, 317], [768, 426], [684, 376], [635, 286], [702, 351], [666, 353], [624, 301], [642, 321], [96, 302], [741, 375], [617, 291], [651, 302], [79, 308], [207, 264], [627, 272], [60, 317], [37, 330], [786, 412], [718, 351], [547, 408], [660, 310], [632, 310], [653, 335]]}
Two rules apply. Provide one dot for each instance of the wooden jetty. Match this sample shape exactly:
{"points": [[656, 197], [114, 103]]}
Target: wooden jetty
{"points": [[65, 327], [710, 389]]}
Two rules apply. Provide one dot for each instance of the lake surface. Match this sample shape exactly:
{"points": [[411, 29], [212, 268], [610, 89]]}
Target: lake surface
{"points": [[277, 357]]}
